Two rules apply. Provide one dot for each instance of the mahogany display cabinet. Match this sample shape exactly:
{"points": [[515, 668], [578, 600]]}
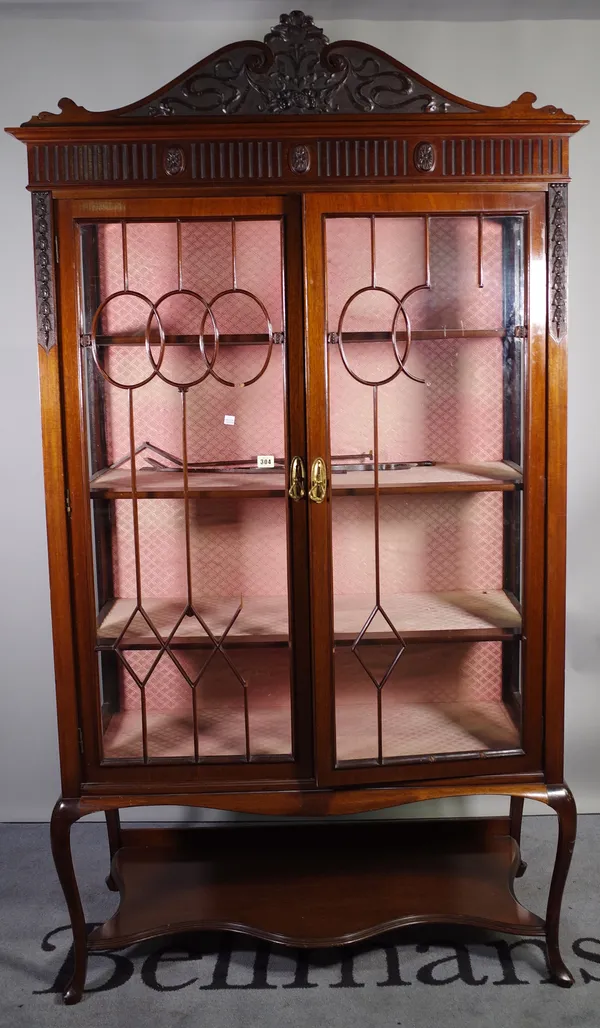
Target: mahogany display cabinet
{"points": [[301, 326]]}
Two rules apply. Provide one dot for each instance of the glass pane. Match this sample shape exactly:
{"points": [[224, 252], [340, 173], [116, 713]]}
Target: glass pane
{"points": [[439, 699], [425, 330], [190, 534]]}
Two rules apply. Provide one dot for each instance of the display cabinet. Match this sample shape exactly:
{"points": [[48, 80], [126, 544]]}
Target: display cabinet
{"points": [[301, 326]]}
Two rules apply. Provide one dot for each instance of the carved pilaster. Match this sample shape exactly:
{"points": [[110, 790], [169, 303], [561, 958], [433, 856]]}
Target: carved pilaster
{"points": [[43, 239], [557, 257]]}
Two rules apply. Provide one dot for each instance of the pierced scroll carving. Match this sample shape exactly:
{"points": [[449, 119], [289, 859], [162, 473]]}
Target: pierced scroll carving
{"points": [[424, 157], [300, 159], [557, 241], [297, 71], [44, 269]]}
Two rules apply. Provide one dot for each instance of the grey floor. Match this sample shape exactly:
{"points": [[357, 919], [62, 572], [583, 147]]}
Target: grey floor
{"points": [[433, 979]]}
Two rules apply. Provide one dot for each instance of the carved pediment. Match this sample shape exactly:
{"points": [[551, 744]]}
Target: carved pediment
{"points": [[296, 70]]}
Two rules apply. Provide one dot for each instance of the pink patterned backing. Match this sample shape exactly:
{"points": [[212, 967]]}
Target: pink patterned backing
{"points": [[455, 297], [435, 702], [439, 698], [456, 418], [220, 705], [157, 406], [238, 548], [207, 269], [428, 543]]}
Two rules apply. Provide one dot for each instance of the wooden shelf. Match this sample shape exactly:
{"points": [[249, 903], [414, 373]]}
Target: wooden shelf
{"points": [[319, 885], [263, 621], [424, 617], [412, 731], [489, 476], [116, 485], [478, 477], [221, 736], [416, 731]]}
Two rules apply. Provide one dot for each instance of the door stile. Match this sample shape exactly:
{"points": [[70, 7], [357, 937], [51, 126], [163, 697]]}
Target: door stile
{"points": [[56, 484], [298, 539], [318, 446]]}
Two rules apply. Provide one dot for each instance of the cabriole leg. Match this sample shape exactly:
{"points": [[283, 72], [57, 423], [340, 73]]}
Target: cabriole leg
{"points": [[516, 820], [113, 824], [65, 813], [560, 798]]}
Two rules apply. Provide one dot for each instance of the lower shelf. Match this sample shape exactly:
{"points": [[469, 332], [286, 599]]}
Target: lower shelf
{"points": [[315, 885], [410, 729]]}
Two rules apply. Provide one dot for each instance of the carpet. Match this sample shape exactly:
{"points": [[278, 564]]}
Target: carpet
{"points": [[434, 978]]}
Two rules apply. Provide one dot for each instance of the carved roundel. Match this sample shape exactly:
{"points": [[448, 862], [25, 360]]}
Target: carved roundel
{"points": [[300, 159], [174, 160], [424, 157]]}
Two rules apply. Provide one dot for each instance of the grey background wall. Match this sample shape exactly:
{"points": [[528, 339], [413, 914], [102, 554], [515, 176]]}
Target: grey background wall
{"points": [[107, 55]]}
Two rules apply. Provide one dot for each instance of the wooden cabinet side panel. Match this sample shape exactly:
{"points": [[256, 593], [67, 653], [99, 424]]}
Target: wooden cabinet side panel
{"points": [[56, 485], [556, 481], [533, 541]]}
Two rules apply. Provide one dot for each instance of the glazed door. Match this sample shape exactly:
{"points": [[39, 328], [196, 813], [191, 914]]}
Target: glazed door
{"points": [[183, 338], [426, 318]]}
